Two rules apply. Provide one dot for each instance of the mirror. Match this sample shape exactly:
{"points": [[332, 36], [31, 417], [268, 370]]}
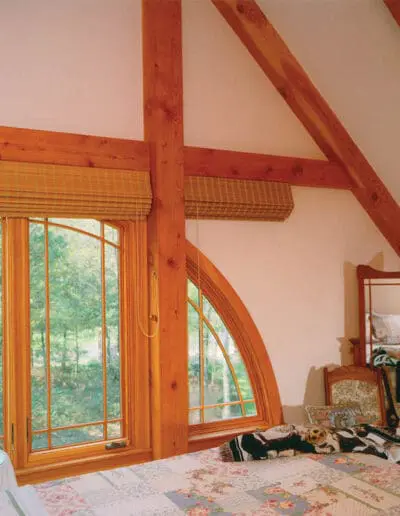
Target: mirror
{"points": [[379, 318], [379, 313]]}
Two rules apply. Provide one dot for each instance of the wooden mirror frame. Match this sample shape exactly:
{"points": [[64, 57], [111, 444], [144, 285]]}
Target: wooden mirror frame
{"points": [[366, 272]]}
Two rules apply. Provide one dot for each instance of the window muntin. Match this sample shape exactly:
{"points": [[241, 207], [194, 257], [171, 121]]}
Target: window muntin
{"points": [[75, 333], [219, 385]]}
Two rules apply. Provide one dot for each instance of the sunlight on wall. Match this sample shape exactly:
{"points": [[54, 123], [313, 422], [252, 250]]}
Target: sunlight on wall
{"points": [[298, 281]]}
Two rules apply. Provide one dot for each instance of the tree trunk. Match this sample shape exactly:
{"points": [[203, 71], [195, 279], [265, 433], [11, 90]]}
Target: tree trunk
{"points": [[64, 353], [108, 346], [43, 346], [226, 373], [77, 354]]}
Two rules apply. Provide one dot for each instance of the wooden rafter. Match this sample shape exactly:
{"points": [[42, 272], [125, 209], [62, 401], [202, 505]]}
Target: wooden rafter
{"points": [[278, 63], [163, 125], [394, 8], [246, 165], [36, 146], [80, 150]]}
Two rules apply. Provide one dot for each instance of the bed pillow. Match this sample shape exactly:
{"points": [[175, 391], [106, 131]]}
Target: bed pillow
{"points": [[336, 416], [386, 327]]}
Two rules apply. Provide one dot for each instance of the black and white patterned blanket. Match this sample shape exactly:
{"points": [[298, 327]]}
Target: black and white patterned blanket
{"points": [[287, 440]]}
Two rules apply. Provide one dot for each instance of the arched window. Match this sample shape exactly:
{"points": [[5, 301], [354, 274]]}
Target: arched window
{"points": [[219, 385], [231, 381]]}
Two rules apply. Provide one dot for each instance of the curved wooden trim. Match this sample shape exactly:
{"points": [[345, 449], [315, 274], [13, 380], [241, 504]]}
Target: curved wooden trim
{"points": [[244, 331], [394, 8], [367, 272]]}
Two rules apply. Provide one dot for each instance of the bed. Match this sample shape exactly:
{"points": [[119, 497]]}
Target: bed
{"points": [[200, 483]]}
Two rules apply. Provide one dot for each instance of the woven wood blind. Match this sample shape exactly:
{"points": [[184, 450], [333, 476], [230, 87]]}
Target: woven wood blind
{"points": [[28, 189], [234, 199]]}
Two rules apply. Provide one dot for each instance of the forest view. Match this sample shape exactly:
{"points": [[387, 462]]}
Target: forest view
{"points": [[68, 373], [81, 390], [211, 347]]}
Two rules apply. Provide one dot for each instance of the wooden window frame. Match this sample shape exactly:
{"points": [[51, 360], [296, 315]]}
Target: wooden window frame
{"points": [[47, 464], [202, 272]]}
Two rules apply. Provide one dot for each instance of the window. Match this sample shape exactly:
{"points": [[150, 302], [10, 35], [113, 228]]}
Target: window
{"points": [[75, 363], [76, 376], [231, 381], [219, 385], [75, 358]]}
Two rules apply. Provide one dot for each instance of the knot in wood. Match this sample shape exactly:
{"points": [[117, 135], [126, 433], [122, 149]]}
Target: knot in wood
{"points": [[171, 262], [297, 170]]}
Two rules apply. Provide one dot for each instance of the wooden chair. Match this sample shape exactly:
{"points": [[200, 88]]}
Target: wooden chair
{"points": [[357, 384]]}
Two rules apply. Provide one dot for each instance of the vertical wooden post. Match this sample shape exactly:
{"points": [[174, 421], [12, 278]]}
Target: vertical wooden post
{"points": [[163, 127]]}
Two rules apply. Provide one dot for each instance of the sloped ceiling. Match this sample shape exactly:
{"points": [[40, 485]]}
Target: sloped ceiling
{"points": [[80, 70], [351, 51], [228, 101]]}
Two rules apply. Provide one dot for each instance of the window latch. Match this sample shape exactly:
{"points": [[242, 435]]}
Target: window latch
{"points": [[115, 445]]}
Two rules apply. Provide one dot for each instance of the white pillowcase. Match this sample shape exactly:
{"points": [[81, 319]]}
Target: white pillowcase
{"points": [[386, 327]]}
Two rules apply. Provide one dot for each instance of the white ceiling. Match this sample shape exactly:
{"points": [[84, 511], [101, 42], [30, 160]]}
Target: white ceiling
{"points": [[351, 51], [77, 66]]}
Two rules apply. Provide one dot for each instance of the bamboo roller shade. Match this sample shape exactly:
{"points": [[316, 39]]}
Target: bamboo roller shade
{"points": [[39, 190], [29, 189], [235, 199]]}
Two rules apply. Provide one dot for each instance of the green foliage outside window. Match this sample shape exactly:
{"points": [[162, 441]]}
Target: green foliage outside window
{"points": [[75, 331]]}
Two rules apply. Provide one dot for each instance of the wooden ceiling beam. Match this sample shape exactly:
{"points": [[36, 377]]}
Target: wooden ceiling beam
{"points": [[280, 66], [394, 8], [163, 131], [36, 146], [264, 167]]}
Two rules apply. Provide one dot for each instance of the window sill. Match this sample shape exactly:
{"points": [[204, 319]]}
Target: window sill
{"points": [[43, 473], [213, 438]]}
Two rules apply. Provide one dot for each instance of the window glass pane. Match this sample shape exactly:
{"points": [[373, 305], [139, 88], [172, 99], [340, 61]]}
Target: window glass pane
{"points": [[225, 412], [77, 435], [218, 380], [193, 292], [114, 430], [38, 326], [194, 357], [112, 332], [88, 225], [75, 327], [219, 386], [75, 334], [111, 234], [229, 344], [250, 408], [194, 417], [39, 441]]}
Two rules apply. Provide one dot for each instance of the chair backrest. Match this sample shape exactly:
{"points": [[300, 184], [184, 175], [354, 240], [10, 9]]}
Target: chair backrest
{"points": [[350, 384]]}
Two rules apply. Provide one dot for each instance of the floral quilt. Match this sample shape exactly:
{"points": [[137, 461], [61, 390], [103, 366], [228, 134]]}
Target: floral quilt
{"points": [[200, 484]]}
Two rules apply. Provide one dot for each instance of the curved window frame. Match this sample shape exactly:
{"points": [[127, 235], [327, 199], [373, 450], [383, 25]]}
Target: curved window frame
{"points": [[203, 273]]}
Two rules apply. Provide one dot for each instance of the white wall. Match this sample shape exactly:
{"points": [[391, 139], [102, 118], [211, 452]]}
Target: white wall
{"points": [[76, 65], [72, 65], [351, 51], [298, 281], [228, 102]]}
